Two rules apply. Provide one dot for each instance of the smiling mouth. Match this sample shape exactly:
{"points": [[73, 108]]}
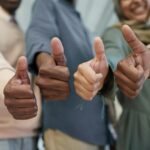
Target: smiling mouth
{"points": [[139, 10]]}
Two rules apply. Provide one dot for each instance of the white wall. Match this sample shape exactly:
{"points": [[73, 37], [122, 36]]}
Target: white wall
{"points": [[24, 13], [97, 14]]}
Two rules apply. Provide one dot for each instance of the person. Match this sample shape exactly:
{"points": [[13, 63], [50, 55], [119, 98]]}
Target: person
{"points": [[127, 55], [15, 132], [133, 94], [69, 122], [134, 72], [9, 27]]}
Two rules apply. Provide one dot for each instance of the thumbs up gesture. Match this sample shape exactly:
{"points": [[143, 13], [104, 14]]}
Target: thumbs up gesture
{"points": [[90, 76], [132, 71], [53, 73], [19, 97]]}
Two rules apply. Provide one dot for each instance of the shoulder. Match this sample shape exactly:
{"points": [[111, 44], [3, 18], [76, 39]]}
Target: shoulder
{"points": [[113, 37]]}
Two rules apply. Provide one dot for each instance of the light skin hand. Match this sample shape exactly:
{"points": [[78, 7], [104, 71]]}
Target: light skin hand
{"points": [[53, 76], [19, 96], [90, 76]]}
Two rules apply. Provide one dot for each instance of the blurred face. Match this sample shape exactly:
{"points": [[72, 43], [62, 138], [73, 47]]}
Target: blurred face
{"points": [[10, 5], [135, 9], [71, 1]]}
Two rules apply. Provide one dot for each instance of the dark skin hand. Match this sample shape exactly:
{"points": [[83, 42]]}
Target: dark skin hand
{"points": [[53, 76], [19, 97], [132, 71]]}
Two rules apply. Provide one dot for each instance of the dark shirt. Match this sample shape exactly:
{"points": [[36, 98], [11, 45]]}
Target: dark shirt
{"points": [[78, 118]]}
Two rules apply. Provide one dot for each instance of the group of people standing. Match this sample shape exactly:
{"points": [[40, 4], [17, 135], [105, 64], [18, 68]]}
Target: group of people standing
{"points": [[69, 89]]}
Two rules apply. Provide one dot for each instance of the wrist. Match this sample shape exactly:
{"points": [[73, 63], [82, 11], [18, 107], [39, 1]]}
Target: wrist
{"points": [[42, 58], [108, 82]]}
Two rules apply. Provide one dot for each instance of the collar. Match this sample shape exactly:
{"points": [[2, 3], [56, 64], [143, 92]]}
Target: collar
{"points": [[4, 14]]}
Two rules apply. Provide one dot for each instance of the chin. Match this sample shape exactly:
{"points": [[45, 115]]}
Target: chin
{"points": [[11, 8], [12, 11], [139, 18]]}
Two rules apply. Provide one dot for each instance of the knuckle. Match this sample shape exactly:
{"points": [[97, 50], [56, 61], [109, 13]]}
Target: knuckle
{"points": [[43, 69], [34, 115], [7, 102], [7, 91], [137, 92], [92, 80], [90, 95], [32, 102], [80, 67], [88, 98], [137, 85], [67, 71], [37, 81], [120, 64], [75, 75], [133, 94], [91, 87], [35, 109], [116, 75]]}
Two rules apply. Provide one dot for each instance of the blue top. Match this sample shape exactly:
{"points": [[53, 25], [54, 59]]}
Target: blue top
{"points": [[76, 117]]}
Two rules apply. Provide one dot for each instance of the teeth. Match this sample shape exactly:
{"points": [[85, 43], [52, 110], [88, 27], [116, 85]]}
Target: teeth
{"points": [[138, 10]]}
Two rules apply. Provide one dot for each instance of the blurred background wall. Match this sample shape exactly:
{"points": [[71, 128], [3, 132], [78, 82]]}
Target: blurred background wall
{"points": [[97, 14]]}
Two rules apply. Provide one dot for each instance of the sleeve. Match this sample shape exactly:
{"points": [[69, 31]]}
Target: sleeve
{"points": [[116, 49], [6, 73], [42, 28], [4, 65]]}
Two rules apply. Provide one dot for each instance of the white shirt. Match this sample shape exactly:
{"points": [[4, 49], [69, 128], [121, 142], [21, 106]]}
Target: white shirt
{"points": [[4, 14]]}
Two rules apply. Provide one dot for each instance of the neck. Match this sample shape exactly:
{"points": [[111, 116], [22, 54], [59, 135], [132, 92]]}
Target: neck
{"points": [[72, 2]]}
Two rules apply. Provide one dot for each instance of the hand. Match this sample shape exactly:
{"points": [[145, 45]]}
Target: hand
{"points": [[53, 76], [141, 53], [132, 71], [90, 76], [19, 97]]}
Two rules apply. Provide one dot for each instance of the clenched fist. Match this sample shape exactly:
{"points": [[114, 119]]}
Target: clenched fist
{"points": [[132, 71], [90, 76], [19, 97], [53, 75]]}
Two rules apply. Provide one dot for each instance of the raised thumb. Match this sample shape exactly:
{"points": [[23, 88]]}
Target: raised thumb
{"points": [[136, 45], [22, 70], [99, 48], [99, 63], [58, 52]]}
